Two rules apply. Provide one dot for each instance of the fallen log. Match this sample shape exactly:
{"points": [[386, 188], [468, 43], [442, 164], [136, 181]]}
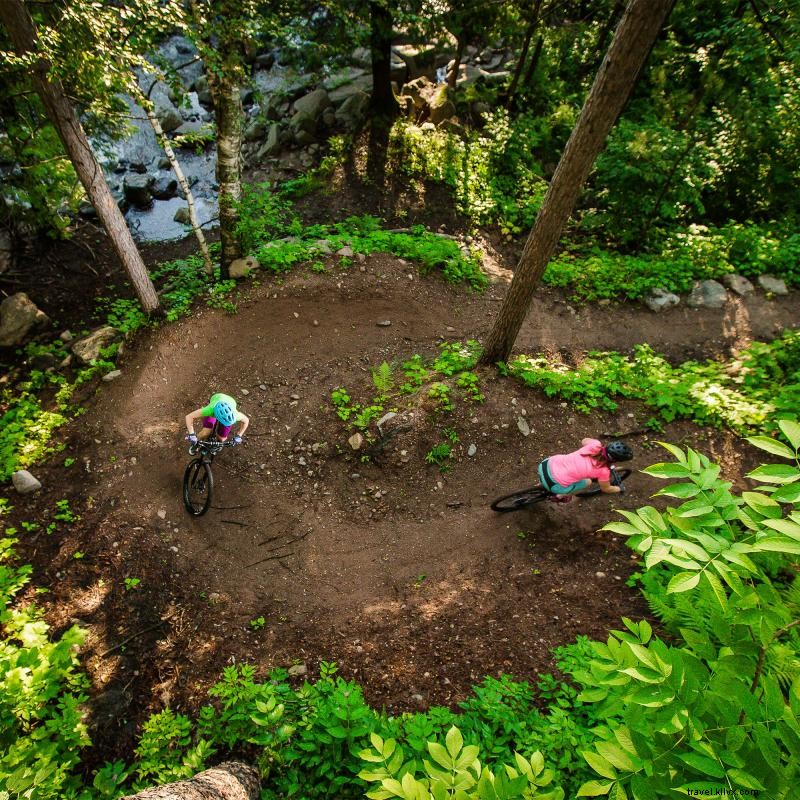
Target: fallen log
{"points": [[229, 781]]}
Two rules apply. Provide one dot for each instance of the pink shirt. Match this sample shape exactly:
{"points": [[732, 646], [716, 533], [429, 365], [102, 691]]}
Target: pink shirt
{"points": [[571, 467]]}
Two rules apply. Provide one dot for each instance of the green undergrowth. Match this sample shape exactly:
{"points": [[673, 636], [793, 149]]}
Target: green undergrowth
{"points": [[747, 393], [276, 237], [699, 253], [714, 705], [436, 384]]}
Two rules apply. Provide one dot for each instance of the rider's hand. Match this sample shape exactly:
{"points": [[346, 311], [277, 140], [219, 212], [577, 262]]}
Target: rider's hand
{"points": [[192, 437], [237, 439]]}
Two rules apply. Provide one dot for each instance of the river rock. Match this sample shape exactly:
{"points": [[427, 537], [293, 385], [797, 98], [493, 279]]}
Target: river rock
{"points": [[658, 299], [355, 441], [769, 283], [353, 110], [441, 108], [168, 116], [18, 316], [272, 144], [112, 376], [313, 103], [138, 190], [242, 267], [738, 284], [164, 188], [182, 215], [24, 482], [255, 129], [707, 294], [88, 349]]}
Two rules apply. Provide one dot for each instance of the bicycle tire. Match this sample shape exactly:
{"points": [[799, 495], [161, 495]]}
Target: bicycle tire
{"points": [[198, 486], [519, 499], [594, 489]]}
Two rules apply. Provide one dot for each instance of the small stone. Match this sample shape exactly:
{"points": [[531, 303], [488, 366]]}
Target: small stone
{"points": [[174, 549], [600, 574], [355, 476], [294, 396], [215, 597], [472, 449], [113, 375], [161, 513], [242, 267], [658, 299], [66, 336], [245, 392], [182, 216], [523, 426], [384, 323], [297, 669], [301, 461], [386, 418], [707, 294], [355, 441], [315, 323], [262, 386], [345, 252], [24, 482], [769, 283], [738, 284]]}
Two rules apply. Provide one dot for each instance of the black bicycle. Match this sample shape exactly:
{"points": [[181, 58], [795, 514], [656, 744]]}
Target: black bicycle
{"points": [[535, 494], [198, 480]]}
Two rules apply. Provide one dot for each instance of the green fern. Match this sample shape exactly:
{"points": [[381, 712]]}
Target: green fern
{"points": [[383, 379]]}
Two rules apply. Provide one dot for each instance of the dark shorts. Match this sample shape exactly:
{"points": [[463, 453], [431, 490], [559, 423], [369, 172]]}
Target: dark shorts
{"points": [[222, 430]]}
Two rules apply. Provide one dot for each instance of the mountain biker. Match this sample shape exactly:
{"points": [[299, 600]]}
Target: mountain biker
{"points": [[571, 472], [220, 412]]}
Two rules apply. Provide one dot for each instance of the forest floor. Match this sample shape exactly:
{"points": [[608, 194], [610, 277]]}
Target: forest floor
{"points": [[399, 573]]}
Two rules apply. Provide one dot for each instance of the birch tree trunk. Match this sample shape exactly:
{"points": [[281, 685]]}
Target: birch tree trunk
{"points": [[615, 79], [14, 15], [230, 123], [229, 781], [180, 177]]}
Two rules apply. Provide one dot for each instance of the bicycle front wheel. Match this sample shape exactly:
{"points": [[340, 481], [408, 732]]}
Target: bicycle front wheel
{"points": [[198, 484], [519, 500]]}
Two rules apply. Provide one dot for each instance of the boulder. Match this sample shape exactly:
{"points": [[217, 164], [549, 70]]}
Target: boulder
{"points": [[659, 299], [242, 267], [738, 284], [255, 129], [769, 283], [419, 90], [418, 59], [362, 57], [361, 84], [265, 60], [18, 316], [304, 121], [88, 349], [168, 117], [707, 294], [164, 188], [272, 144], [24, 482], [341, 78], [313, 103], [353, 110], [441, 108], [138, 190]]}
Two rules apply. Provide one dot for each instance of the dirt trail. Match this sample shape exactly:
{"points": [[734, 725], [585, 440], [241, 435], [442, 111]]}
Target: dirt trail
{"points": [[399, 573]]}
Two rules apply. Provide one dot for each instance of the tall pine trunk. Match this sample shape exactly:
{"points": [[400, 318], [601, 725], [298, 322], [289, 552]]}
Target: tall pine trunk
{"points": [[62, 114], [383, 101], [230, 123], [633, 40]]}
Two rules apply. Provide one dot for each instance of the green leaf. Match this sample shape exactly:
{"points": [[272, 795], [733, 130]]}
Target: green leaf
{"points": [[791, 430], [771, 446], [454, 741], [667, 470], [599, 764], [786, 526], [595, 788], [703, 764], [615, 755], [761, 503], [683, 582], [775, 473], [716, 587], [440, 755]]}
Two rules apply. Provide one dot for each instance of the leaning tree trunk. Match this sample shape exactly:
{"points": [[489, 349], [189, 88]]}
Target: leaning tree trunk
{"points": [[383, 100], [229, 781], [230, 123], [616, 78], [180, 177], [20, 26]]}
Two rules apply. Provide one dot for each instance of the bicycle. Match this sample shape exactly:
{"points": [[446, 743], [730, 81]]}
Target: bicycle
{"points": [[535, 494], [198, 480]]}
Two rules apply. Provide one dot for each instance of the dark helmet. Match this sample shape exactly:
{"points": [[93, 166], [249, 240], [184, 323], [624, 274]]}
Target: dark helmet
{"points": [[618, 451]]}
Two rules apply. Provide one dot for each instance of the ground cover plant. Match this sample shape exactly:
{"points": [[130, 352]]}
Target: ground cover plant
{"points": [[748, 393]]}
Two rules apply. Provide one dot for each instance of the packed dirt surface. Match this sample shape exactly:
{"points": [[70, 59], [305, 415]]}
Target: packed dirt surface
{"points": [[396, 571]]}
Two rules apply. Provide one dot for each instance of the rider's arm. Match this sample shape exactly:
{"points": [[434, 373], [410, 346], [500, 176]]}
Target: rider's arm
{"points": [[191, 417], [245, 420], [608, 487]]}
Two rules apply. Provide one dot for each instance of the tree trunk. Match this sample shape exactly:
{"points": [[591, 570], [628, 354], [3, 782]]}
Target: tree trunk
{"points": [[616, 78], [530, 30], [453, 75], [181, 178], [20, 26], [229, 781], [537, 54], [230, 123], [383, 100]]}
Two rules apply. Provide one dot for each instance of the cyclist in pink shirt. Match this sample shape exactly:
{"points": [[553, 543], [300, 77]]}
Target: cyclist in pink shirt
{"points": [[571, 472]]}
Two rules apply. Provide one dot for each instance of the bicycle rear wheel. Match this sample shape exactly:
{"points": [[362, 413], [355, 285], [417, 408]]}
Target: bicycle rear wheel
{"points": [[520, 499], [198, 485], [595, 489]]}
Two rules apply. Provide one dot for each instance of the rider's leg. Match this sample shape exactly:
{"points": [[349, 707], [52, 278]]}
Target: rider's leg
{"points": [[563, 494], [223, 431], [208, 427]]}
